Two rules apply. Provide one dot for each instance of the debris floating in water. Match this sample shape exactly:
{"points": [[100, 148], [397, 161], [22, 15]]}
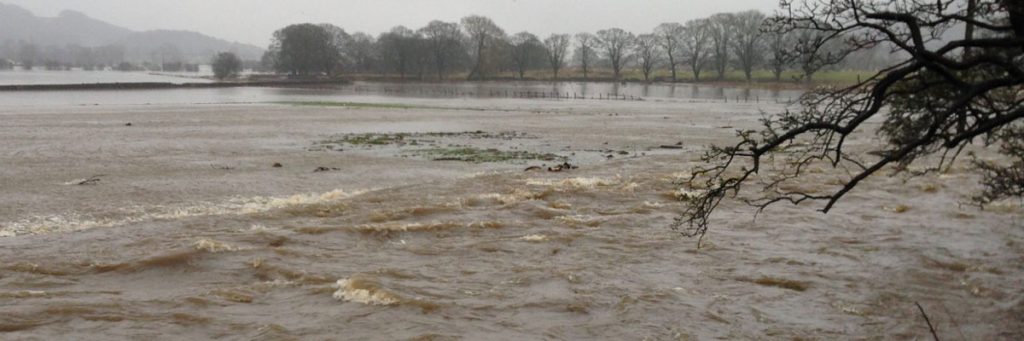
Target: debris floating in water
{"points": [[326, 169], [95, 179]]}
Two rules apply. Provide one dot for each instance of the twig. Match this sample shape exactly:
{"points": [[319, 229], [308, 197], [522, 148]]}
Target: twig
{"points": [[927, 320]]}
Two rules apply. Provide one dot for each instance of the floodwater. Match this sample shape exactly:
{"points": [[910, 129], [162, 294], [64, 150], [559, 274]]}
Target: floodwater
{"points": [[188, 231], [685, 93], [78, 76]]}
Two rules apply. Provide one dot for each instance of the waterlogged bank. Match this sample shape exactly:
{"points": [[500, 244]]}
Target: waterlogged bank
{"points": [[400, 94], [192, 232]]}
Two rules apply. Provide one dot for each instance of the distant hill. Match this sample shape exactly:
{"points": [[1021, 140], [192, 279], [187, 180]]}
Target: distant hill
{"points": [[194, 46], [69, 28], [75, 28]]}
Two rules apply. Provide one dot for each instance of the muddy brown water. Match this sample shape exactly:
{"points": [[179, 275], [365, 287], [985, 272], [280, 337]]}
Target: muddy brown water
{"points": [[191, 233]]}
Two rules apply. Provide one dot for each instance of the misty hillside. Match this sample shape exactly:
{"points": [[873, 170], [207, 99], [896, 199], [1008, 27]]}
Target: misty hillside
{"points": [[194, 46], [69, 28], [72, 28]]}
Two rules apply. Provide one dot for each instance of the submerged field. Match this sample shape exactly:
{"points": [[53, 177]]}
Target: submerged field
{"points": [[413, 218]]}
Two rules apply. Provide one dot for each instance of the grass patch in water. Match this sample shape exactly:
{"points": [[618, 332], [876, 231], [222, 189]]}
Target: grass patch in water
{"points": [[364, 105], [432, 139], [354, 105], [371, 139], [477, 155]]}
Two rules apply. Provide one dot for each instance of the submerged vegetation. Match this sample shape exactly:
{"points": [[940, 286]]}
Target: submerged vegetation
{"points": [[480, 155], [367, 105], [441, 146], [357, 105]]}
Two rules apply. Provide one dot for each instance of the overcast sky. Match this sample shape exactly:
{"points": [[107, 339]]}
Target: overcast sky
{"points": [[253, 21]]}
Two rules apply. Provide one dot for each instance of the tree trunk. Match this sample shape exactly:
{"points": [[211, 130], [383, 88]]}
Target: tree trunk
{"points": [[440, 70], [672, 63], [477, 69], [584, 61]]}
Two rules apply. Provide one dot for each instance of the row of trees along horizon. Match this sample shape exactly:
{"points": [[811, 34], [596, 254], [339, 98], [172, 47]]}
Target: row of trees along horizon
{"points": [[733, 46], [722, 46]]}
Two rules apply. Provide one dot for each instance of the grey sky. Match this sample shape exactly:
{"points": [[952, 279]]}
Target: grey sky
{"points": [[253, 21]]}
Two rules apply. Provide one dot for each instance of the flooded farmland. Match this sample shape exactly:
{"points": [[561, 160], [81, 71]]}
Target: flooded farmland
{"points": [[383, 211]]}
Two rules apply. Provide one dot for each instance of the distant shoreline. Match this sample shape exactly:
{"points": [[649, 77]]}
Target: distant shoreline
{"points": [[167, 85], [317, 83], [757, 84]]}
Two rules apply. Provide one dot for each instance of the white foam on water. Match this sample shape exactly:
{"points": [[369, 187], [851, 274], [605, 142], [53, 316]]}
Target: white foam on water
{"points": [[585, 183], [651, 204], [1005, 205], [687, 195], [213, 246], [579, 220], [349, 292], [517, 195], [536, 238], [575, 183], [236, 206]]}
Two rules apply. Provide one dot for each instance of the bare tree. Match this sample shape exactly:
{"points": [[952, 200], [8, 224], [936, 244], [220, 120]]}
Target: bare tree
{"points": [[747, 42], [616, 44], [445, 43], [304, 49], [524, 48], [398, 48], [225, 65], [696, 45], [339, 41], [815, 49], [484, 35], [934, 102], [670, 37], [780, 56], [721, 29], [556, 46], [647, 53], [361, 51], [585, 45]]}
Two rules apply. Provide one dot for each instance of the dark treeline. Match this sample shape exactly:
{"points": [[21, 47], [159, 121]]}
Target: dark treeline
{"points": [[476, 48]]}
